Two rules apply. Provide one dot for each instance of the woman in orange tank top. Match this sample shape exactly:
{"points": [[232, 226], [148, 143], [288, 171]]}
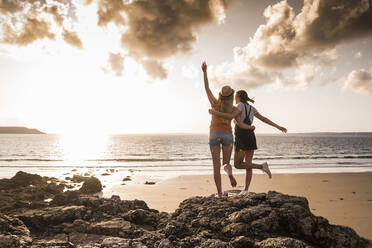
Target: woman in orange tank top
{"points": [[220, 136]]}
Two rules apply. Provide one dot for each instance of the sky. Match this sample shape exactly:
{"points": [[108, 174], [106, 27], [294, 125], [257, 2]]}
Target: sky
{"points": [[114, 66]]}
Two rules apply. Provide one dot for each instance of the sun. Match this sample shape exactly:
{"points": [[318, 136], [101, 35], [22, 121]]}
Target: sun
{"points": [[83, 147]]}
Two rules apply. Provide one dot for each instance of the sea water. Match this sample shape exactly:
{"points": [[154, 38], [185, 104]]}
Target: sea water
{"points": [[181, 154]]}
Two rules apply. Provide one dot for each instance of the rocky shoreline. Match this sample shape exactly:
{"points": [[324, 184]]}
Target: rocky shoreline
{"points": [[40, 212]]}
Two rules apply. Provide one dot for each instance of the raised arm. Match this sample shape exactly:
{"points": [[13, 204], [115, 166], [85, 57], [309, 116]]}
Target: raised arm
{"points": [[271, 123], [228, 116], [211, 98]]}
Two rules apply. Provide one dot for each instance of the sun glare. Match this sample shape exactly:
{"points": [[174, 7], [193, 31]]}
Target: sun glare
{"points": [[83, 146]]}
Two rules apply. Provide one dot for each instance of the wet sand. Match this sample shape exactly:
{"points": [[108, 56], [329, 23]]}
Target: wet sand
{"points": [[344, 198]]}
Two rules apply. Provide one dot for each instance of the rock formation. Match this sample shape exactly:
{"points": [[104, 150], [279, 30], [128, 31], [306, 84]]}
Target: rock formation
{"points": [[262, 220]]}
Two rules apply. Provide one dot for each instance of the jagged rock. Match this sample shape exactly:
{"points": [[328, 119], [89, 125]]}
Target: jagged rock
{"points": [[86, 240], [214, 243], [121, 243], [65, 198], [52, 244], [282, 242], [24, 179], [141, 216], [28, 191], [257, 217], [39, 220], [78, 178], [10, 241], [91, 186], [255, 221], [151, 239], [165, 243], [176, 228], [13, 233], [242, 242], [116, 228]]}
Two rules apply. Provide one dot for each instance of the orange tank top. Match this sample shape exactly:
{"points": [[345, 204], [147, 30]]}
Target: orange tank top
{"points": [[217, 124]]}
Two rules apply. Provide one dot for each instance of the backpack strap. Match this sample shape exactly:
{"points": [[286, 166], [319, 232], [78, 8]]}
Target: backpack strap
{"points": [[247, 115]]}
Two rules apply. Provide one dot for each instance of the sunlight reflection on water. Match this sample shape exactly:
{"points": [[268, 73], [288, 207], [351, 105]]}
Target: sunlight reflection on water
{"points": [[80, 147]]}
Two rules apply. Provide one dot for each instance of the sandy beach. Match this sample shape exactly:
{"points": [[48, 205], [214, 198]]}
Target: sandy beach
{"points": [[344, 198]]}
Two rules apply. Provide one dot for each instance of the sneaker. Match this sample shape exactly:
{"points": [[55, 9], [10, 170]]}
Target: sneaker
{"points": [[218, 195], [265, 168], [243, 193]]}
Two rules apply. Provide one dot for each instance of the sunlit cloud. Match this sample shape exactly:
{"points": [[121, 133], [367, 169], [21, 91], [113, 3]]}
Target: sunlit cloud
{"points": [[157, 30], [25, 22], [290, 41], [359, 81], [154, 68], [149, 31], [72, 39], [116, 64]]}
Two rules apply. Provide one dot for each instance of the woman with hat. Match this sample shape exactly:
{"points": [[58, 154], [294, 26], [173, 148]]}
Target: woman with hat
{"points": [[245, 140], [221, 131]]}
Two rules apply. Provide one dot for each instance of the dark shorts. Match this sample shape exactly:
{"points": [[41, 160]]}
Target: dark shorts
{"points": [[224, 138], [245, 141]]}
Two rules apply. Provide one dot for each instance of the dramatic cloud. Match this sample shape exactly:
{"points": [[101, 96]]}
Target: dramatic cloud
{"points": [[288, 40], [116, 63], [32, 30], [72, 39], [10, 6], [155, 69], [241, 75], [359, 81], [110, 11], [148, 31], [55, 12], [24, 22], [155, 30], [161, 28]]}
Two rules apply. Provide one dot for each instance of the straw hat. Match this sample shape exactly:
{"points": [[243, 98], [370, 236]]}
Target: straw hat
{"points": [[226, 91]]}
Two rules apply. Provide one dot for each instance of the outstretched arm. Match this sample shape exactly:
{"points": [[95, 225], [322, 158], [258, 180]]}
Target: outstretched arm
{"points": [[211, 98], [268, 121]]}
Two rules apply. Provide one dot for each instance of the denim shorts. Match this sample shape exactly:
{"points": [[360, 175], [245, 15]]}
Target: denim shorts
{"points": [[224, 138]]}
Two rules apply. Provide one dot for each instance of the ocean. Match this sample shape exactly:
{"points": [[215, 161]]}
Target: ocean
{"points": [[169, 155]]}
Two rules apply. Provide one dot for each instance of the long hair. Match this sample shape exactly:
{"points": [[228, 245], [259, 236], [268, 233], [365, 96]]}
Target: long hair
{"points": [[225, 104]]}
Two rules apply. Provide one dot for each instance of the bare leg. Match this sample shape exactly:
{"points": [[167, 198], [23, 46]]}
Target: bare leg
{"points": [[239, 158], [226, 156], [248, 171], [215, 151]]}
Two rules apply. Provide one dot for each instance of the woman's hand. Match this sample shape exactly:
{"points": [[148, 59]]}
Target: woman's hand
{"points": [[211, 111], [204, 67], [253, 127], [283, 129]]}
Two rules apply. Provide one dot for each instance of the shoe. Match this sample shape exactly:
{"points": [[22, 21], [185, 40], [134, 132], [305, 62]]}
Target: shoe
{"points": [[243, 193], [265, 168], [218, 195]]}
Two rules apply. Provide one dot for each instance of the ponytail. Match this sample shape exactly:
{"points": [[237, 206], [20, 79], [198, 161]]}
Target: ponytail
{"points": [[242, 94]]}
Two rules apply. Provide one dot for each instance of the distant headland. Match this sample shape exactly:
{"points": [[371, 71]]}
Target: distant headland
{"points": [[19, 130]]}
